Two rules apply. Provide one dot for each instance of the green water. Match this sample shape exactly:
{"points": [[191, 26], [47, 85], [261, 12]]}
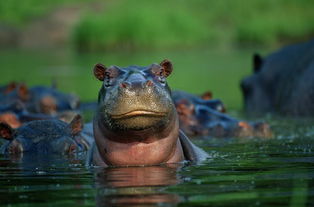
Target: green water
{"points": [[240, 172], [273, 172]]}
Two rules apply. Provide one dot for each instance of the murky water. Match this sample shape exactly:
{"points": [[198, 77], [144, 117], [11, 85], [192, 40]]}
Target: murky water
{"points": [[241, 172]]}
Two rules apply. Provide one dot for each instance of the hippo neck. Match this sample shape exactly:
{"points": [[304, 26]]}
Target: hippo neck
{"points": [[153, 150]]}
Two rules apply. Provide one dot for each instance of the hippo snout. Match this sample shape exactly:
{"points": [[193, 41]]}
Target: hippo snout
{"points": [[136, 82]]}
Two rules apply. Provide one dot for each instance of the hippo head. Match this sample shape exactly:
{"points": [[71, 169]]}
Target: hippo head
{"points": [[8, 88], [136, 122], [18, 94], [56, 102], [43, 137], [256, 89], [135, 98]]}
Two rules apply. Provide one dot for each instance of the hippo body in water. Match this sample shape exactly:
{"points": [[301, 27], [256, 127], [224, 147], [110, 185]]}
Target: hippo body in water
{"points": [[202, 117], [44, 138], [20, 104], [48, 100], [136, 122], [203, 100], [282, 83]]}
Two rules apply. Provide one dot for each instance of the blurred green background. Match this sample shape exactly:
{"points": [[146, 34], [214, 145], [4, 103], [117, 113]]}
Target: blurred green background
{"points": [[209, 42]]}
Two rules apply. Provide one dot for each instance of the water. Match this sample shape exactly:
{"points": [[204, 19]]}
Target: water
{"points": [[240, 172]]}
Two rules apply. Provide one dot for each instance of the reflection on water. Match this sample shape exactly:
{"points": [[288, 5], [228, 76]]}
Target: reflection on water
{"points": [[67, 182], [133, 186], [44, 181], [256, 172]]}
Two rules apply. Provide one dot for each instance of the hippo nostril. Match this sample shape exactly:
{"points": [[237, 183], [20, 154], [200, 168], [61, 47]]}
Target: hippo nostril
{"points": [[149, 83]]}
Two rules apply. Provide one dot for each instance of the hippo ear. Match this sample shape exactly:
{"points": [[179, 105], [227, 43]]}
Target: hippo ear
{"points": [[166, 67], [208, 95], [76, 125], [23, 92], [10, 87], [99, 71], [257, 62], [6, 132]]}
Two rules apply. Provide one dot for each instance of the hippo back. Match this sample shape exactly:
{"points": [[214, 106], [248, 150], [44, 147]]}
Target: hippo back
{"points": [[283, 83]]}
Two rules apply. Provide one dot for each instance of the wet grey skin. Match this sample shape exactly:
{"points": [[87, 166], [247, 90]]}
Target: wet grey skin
{"points": [[44, 137], [38, 99], [281, 83], [49, 100], [214, 104], [19, 93], [135, 107]]}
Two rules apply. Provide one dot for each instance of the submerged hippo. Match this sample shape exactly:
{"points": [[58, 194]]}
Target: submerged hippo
{"points": [[13, 93], [282, 83], [205, 100], [44, 137], [49, 100], [5, 89], [136, 122], [20, 104], [38, 99], [199, 117]]}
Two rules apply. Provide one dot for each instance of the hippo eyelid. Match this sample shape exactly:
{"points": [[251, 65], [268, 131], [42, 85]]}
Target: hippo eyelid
{"points": [[155, 69], [113, 72]]}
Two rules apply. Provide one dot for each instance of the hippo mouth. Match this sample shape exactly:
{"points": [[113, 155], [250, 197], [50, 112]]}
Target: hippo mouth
{"points": [[139, 119], [138, 113]]}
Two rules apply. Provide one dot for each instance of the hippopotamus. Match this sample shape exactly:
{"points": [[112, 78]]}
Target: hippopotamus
{"points": [[20, 104], [205, 99], [282, 83], [199, 117], [5, 89], [136, 122], [13, 93], [16, 114], [45, 137], [49, 100], [38, 99]]}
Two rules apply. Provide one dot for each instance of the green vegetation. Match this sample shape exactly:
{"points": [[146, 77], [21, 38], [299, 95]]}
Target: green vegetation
{"points": [[16, 12], [172, 24], [176, 24], [145, 26]]}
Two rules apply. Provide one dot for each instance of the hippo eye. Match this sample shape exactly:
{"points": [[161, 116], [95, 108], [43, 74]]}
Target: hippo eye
{"points": [[159, 73], [107, 80], [110, 74]]}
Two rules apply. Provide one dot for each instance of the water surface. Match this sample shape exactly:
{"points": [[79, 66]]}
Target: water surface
{"points": [[245, 172]]}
